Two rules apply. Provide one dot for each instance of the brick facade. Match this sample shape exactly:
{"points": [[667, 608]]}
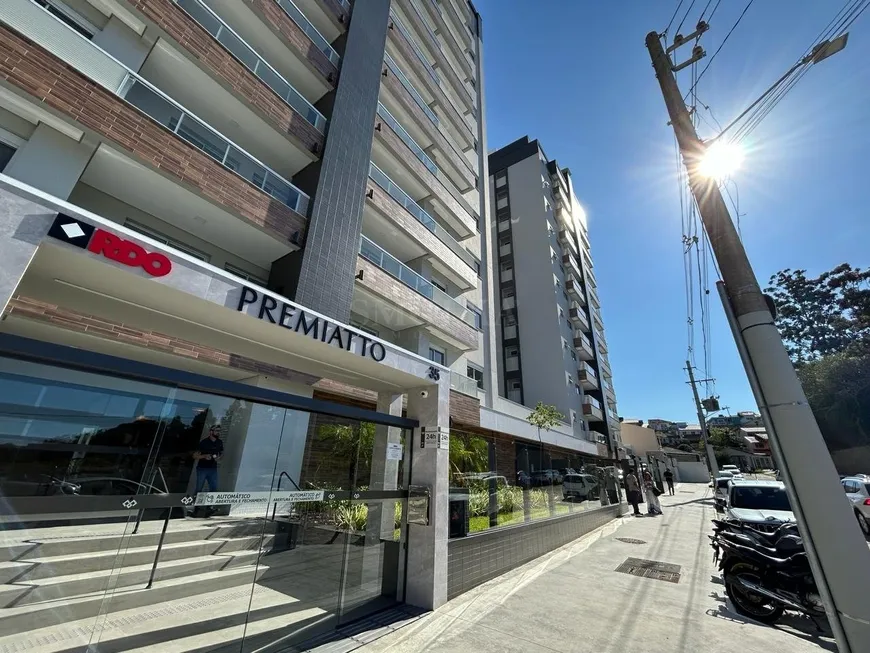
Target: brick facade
{"points": [[55, 84], [228, 70], [398, 294], [464, 409], [271, 13], [385, 204], [445, 149], [65, 318], [397, 146]]}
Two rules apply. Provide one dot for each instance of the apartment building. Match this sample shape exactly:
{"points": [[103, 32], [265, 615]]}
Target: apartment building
{"points": [[247, 287], [552, 342]]}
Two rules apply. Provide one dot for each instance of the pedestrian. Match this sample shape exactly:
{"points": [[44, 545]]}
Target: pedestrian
{"points": [[207, 454], [669, 479], [632, 490], [652, 500]]}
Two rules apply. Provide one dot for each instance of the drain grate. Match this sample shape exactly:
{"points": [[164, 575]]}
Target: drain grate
{"points": [[630, 540], [650, 569]]}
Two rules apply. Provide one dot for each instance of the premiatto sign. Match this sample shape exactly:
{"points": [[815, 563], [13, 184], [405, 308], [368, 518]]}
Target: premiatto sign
{"points": [[295, 318]]}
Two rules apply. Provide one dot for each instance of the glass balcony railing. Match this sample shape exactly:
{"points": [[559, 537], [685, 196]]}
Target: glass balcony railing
{"points": [[422, 21], [394, 191], [91, 60], [463, 384], [171, 115], [406, 137], [587, 368], [391, 64], [345, 4], [391, 265], [591, 401], [416, 48], [305, 25], [224, 34]]}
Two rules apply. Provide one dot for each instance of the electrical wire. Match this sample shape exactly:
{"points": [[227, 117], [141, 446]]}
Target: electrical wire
{"points": [[734, 204], [665, 33], [721, 45], [685, 16]]}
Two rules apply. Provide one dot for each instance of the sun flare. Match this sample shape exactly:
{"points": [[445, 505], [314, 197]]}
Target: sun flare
{"points": [[721, 160]]}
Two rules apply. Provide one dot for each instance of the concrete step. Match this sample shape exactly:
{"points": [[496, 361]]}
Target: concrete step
{"points": [[75, 585], [106, 560], [9, 571], [49, 614]]}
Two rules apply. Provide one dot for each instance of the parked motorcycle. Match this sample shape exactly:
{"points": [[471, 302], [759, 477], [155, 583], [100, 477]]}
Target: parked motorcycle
{"points": [[765, 573]]}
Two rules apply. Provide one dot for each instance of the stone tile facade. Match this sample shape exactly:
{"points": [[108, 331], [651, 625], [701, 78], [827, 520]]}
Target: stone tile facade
{"points": [[400, 295], [51, 82], [229, 71], [378, 198], [271, 13]]}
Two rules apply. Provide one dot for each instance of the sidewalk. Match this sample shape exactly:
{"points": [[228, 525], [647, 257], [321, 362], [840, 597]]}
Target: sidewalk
{"points": [[573, 600]]}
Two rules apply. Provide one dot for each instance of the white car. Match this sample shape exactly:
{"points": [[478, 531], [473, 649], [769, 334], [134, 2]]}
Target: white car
{"points": [[858, 491], [764, 505], [580, 486], [734, 469]]}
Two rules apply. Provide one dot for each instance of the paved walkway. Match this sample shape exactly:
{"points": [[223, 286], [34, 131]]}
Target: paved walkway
{"points": [[573, 600]]}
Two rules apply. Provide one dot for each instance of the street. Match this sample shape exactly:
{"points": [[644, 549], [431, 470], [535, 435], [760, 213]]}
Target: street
{"points": [[574, 600]]}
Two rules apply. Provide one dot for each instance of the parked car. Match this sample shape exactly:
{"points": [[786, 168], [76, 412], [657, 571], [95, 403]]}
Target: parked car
{"points": [[580, 486], [720, 487], [546, 477], [764, 505], [734, 469], [858, 491]]}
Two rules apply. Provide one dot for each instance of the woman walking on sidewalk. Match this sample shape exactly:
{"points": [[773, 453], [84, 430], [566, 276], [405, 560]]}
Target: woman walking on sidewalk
{"points": [[632, 492], [654, 507]]}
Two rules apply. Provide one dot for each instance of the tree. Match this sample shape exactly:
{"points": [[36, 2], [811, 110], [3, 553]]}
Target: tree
{"points": [[824, 315], [468, 453], [544, 417]]}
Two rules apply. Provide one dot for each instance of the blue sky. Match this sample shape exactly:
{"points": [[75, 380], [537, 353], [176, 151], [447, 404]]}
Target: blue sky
{"points": [[575, 74]]}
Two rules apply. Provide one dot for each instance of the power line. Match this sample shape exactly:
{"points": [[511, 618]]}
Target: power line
{"points": [[672, 18], [686, 15], [721, 45]]}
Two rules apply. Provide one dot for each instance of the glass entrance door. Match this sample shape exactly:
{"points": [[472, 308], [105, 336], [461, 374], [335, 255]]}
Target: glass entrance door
{"points": [[135, 515]]}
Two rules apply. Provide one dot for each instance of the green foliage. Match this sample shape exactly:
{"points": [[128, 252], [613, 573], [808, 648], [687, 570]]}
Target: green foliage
{"points": [[478, 503], [509, 498], [350, 442], [468, 453], [838, 389], [545, 416], [722, 437], [538, 498], [351, 516], [823, 315]]}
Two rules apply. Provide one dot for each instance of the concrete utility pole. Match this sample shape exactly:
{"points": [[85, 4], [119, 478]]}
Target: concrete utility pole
{"points": [[711, 455], [835, 547]]}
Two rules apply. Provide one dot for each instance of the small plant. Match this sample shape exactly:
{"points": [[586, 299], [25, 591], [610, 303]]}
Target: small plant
{"points": [[478, 503], [510, 498], [538, 498], [352, 516]]}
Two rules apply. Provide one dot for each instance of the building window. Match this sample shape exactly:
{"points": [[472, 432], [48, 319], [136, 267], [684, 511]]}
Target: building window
{"points": [[502, 203], [477, 268], [232, 269], [475, 373], [477, 315], [69, 17], [6, 153], [437, 355], [438, 284], [546, 204], [153, 234], [573, 355], [561, 313], [500, 180], [573, 417]]}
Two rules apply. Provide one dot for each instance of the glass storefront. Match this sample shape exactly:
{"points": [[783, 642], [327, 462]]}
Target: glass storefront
{"points": [[135, 514], [496, 483]]}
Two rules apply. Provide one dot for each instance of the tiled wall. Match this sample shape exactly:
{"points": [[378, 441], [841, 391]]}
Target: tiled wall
{"points": [[478, 558]]}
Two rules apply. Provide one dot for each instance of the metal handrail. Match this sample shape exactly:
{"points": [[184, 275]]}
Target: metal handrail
{"points": [[265, 179], [278, 489], [415, 47], [422, 216], [271, 77], [310, 30], [407, 139], [377, 255], [404, 81]]}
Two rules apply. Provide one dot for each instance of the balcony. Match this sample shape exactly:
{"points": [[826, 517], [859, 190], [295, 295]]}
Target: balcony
{"points": [[411, 59], [602, 341], [584, 348], [593, 296], [456, 48], [398, 153], [592, 409], [463, 384], [446, 71], [578, 318], [446, 255], [329, 17], [575, 290], [251, 59], [184, 146], [281, 33], [596, 436], [404, 100], [566, 239], [390, 293], [587, 377]]}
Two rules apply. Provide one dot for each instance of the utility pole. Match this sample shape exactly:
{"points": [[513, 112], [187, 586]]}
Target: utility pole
{"points": [[836, 549], [711, 455]]}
